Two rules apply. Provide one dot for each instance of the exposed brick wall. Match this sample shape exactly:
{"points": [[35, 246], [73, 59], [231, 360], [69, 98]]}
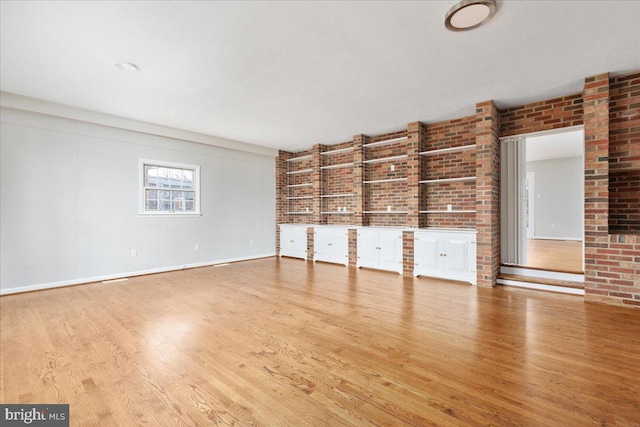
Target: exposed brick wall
{"points": [[624, 154], [378, 196], [286, 202], [543, 115], [337, 181], [461, 195], [487, 193], [612, 262], [281, 191], [624, 202]]}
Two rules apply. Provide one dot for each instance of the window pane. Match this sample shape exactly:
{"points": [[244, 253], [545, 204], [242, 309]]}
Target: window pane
{"points": [[189, 206], [187, 179], [150, 176], [164, 205], [152, 205], [163, 177], [175, 176], [151, 194], [189, 195], [164, 195]]}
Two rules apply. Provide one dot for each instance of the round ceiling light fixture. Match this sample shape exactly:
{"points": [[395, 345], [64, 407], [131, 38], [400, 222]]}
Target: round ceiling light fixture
{"points": [[127, 66], [469, 14]]}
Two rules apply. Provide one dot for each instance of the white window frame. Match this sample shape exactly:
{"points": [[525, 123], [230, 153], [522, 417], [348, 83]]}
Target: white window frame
{"points": [[196, 189]]}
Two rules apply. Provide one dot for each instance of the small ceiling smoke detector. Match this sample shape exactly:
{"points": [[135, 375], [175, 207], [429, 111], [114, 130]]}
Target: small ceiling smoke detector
{"points": [[469, 14], [127, 66]]}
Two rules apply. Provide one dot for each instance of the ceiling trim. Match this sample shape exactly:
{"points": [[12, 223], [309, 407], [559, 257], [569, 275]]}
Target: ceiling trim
{"points": [[25, 103]]}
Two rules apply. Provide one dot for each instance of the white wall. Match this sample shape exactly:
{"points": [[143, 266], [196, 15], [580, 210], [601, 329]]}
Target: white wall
{"points": [[559, 197], [69, 203]]}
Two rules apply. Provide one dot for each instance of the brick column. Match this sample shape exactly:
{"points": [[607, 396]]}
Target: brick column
{"points": [[281, 193], [310, 244], [596, 185], [359, 191], [487, 193], [407, 253], [316, 179], [416, 132], [353, 247]]}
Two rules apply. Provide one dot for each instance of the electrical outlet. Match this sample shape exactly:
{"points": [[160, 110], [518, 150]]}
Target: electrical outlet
{"points": [[196, 247], [393, 168], [134, 253]]}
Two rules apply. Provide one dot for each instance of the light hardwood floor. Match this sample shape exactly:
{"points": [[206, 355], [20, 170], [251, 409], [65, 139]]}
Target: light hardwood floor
{"points": [[556, 255], [289, 343]]}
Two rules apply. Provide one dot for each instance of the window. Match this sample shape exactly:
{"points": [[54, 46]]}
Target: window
{"points": [[169, 188]]}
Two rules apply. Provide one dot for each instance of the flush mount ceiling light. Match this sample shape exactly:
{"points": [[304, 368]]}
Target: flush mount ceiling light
{"points": [[127, 66], [469, 14]]}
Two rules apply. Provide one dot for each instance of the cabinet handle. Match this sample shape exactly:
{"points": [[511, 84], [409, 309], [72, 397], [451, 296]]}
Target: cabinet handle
{"points": [[472, 243], [329, 244], [292, 241], [444, 255]]}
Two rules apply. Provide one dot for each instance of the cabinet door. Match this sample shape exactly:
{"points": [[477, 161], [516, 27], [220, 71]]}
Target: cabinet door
{"points": [[340, 245], [390, 252], [456, 250], [427, 254], [300, 242], [367, 249], [321, 245], [286, 241]]}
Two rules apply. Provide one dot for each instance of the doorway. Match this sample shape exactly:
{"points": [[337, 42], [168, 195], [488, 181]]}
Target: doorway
{"points": [[543, 201]]}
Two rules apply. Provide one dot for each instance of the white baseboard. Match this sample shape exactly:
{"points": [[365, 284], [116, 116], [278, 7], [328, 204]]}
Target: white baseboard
{"points": [[539, 286], [85, 280], [574, 239]]}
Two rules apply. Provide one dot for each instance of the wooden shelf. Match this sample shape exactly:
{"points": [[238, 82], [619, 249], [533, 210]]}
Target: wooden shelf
{"points": [[376, 181], [332, 152], [301, 158], [447, 212], [386, 159], [443, 180], [299, 213], [387, 142], [299, 197], [385, 212], [337, 213], [337, 195], [448, 150], [300, 171], [342, 165], [307, 184]]}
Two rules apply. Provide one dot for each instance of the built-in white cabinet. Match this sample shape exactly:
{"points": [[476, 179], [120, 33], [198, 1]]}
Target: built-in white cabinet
{"points": [[293, 240], [448, 254], [331, 244], [380, 248]]}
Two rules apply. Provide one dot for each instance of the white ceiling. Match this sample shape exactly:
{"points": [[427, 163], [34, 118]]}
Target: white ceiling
{"points": [[555, 146], [291, 74]]}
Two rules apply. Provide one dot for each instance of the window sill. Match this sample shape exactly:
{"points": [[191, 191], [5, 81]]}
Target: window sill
{"points": [[170, 215]]}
